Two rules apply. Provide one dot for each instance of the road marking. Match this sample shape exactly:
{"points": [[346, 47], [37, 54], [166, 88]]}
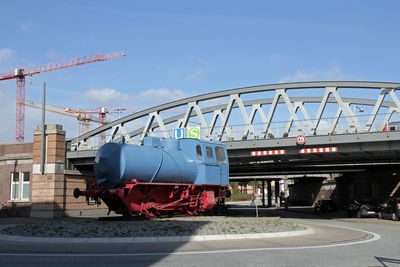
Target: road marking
{"points": [[375, 237]]}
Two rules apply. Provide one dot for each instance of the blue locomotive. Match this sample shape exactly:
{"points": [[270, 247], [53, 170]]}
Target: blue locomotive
{"points": [[162, 175]]}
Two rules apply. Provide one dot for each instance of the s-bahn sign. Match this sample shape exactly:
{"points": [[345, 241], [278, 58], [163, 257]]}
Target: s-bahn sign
{"points": [[194, 132], [300, 139]]}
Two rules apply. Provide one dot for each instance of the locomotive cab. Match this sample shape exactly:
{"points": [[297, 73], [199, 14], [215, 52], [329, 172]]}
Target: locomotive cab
{"points": [[213, 166]]}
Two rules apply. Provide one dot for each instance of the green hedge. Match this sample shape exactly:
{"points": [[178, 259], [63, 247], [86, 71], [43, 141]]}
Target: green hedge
{"points": [[235, 194]]}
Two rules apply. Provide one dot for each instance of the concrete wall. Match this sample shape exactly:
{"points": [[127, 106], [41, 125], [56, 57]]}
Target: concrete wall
{"points": [[375, 184], [305, 190]]}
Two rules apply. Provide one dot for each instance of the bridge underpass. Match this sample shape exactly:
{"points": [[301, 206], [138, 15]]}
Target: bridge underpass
{"points": [[359, 131]]}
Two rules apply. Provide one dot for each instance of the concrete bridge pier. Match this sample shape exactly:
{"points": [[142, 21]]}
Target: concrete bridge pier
{"points": [[277, 202], [269, 193], [263, 192]]}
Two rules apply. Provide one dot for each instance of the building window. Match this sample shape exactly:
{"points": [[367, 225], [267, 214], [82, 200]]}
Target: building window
{"points": [[20, 185]]}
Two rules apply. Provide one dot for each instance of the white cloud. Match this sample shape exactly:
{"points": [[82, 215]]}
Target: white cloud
{"points": [[53, 54], [105, 96], [6, 53], [195, 75], [332, 74], [25, 26], [153, 97], [148, 98], [276, 57]]}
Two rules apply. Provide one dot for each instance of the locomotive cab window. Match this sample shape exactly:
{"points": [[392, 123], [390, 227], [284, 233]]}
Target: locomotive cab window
{"points": [[209, 152], [220, 154], [199, 153]]}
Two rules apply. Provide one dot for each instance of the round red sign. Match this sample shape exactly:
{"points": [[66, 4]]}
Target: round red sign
{"points": [[300, 139]]}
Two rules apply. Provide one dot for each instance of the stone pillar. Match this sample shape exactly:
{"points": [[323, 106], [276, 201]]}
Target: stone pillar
{"points": [[277, 202], [48, 189], [263, 193], [269, 193]]}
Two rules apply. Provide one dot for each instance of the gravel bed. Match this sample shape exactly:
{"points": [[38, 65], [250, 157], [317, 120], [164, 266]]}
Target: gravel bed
{"points": [[149, 228]]}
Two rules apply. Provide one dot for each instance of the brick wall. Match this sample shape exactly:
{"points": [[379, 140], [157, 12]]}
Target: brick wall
{"points": [[79, 204], [7, 149]]}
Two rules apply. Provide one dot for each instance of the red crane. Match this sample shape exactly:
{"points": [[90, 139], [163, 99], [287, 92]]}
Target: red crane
{"points": [[19, 75]]}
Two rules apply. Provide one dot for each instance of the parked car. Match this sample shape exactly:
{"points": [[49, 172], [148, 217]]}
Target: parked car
{"points": [[390, 209], [325, 205], [363, 208]]}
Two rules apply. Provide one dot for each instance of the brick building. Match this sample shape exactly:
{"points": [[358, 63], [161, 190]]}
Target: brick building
{"points": [[29, 192], [15, 174]]}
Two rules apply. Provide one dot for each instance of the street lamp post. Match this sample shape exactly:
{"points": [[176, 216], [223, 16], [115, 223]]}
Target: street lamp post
{"points": [[354, 114], [359, 109]]}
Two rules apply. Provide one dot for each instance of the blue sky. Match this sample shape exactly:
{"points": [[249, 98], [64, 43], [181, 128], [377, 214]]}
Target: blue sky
{"points": [[182, 48]]}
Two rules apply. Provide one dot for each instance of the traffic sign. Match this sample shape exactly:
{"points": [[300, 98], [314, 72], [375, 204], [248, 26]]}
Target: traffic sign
{"points": [[300, 139], [194, 132]]}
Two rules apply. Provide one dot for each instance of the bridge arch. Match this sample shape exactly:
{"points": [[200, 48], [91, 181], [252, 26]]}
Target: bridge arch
{"points": [[245, 113]]}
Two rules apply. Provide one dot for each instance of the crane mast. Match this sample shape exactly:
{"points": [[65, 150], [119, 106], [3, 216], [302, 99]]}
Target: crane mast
{"points": [[19, 75]]}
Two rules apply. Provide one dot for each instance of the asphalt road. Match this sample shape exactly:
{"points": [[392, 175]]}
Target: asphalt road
{"points": [[336, 242]]}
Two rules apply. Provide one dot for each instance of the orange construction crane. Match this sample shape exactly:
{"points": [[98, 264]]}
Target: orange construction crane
{"points": [[19, 75], [83, 117], [103, 111]]}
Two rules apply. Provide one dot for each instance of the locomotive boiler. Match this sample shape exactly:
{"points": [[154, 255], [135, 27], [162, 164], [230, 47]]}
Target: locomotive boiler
{"points": [[163, 175]]}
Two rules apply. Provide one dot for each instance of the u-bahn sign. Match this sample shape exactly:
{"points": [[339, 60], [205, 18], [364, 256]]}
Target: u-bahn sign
{"points": [[179, 133], [300, 139]]}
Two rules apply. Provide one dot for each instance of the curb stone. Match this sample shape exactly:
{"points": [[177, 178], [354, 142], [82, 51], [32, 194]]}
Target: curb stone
{"points": [[195, 238]]}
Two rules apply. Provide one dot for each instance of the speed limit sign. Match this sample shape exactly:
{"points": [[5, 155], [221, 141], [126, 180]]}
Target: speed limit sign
{"points": [[300, 139]]}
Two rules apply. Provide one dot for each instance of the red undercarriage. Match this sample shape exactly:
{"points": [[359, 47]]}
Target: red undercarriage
{"points": [[154, 198]]}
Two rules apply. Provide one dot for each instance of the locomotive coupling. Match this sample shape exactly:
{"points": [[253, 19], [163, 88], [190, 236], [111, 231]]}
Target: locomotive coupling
{"points": [[77, 193]]}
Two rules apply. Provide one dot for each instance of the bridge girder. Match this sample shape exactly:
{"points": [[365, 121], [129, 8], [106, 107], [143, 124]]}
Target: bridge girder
{"points": [[236, 99]]}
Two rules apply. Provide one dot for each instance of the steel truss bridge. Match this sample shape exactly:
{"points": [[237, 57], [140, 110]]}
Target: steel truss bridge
{"points": [[348, 127]]}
